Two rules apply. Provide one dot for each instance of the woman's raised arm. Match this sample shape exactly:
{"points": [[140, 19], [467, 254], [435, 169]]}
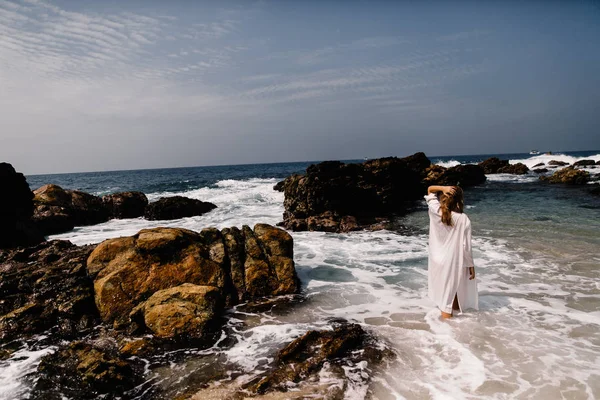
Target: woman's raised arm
{"points": [[443, 189]]}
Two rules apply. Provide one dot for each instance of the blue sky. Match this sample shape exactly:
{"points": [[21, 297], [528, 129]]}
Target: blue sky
{"points": [[87, 85]]}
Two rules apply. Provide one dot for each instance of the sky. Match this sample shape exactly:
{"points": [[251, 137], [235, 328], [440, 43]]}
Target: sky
{"points": [[110, 85]]}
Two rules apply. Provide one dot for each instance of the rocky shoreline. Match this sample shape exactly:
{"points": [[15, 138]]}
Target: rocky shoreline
{"points": [[110, 310]]}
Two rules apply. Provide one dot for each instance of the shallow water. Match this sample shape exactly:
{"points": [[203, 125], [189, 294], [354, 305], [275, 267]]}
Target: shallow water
{"points": [[536, 335]]}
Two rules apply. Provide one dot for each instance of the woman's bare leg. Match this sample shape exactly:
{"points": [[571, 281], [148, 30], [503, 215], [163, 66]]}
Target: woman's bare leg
{"points": [[455, 305]]}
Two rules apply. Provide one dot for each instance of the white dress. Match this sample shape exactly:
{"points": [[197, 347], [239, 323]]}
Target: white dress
{"points": [[450, 257]]}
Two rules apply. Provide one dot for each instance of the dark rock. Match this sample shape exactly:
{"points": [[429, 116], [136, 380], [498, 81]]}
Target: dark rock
{"points": [[516, 169], [45, 287], [58, 210], [125, 204], [461, 175], [558, 163], [175, 282], [279, 186], [177, 207], [598, 162], [595, 190], [16, 208], [569, 176], [539, 165], [492, 165], [583, 163], [540, 170], [86, 369], [345, 346]]}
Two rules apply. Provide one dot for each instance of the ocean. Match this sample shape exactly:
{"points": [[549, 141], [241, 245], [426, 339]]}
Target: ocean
{"points": [[537, 257]]}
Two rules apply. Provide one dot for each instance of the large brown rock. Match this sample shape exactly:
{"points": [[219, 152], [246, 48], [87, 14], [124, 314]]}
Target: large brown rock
{"points": [[16, 207], [462, 175], [177, 207], [44, 287], [58, 210], [125, 204], [515, 169], [569, 176], [239, 265], [584, 163], [493, 164], [184, 311]]}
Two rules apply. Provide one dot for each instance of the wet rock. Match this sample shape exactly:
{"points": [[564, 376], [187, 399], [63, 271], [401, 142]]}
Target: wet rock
{"points": [[540, 170], [461, 175], [279, 186], [140, 281], [177, 207], [44, 287], [58, 210], [345, 345], [16, 208], [493, 164], [516, 169], [539, 165], [569, 176], [86, 370], [595, 190], [558, 163], [125, 204], [584, 163]]}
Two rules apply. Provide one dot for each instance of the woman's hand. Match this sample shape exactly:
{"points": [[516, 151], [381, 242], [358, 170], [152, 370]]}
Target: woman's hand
{"points": [[471, 273], [447, 190]]}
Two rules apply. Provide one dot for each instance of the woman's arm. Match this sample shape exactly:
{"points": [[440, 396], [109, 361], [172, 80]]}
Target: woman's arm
{"points": [[443, 189]]}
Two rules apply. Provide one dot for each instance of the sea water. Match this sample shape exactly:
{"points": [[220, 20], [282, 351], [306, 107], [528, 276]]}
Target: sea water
{"points": [[537, 256]]}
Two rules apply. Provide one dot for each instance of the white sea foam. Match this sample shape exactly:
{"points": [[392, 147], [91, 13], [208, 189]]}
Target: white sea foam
{"points": [[13, 370], [532, 338], [447, 164]]}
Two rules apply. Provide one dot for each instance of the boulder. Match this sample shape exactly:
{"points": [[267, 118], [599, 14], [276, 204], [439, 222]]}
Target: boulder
{"points": [[540, 170], [86, 370], [125, 204], [185, 311], [279, 186], [492, 165], [569, 176], [140, 281], [58, 210], [558, 163], [344, 346], [583, 163], [516, 169], [462, 175], [177, 207], [44, 287], [16, 208], [539, 165]]}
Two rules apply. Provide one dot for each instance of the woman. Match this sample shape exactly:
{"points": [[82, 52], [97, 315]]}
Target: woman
{"points": [[451, 272]]}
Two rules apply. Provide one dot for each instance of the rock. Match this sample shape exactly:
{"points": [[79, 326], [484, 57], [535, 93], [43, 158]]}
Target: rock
{"points": [[125, 204], [45, 287], [540, 170], [186, 311], [569, 176], [516, 169], [279, 186], [558, 163], [598, 162], [595, 190], [583, 163], [462, 175], [177, 207], [493, 164], [539, 165], [86, 370], [16, 208], [155, 264], [345, 346], [58, 210]]}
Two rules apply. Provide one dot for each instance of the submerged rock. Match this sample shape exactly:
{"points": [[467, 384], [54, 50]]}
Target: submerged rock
{"points": [[539, 165], [540, 170], [515, 169], [569, 176], [584, 163], [346, 346], [149, 280], [125, 204], [493, 164], [45, 287], [16, 208], [177, 207], [58, 210], [558, 163]]}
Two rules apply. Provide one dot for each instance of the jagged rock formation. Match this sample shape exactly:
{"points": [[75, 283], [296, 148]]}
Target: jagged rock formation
{"points": [[125, 204], [177, 207], [516, 169], [493, 164], [569, 176]]}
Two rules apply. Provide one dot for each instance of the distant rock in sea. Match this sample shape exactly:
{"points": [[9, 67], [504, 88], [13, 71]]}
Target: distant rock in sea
{"points": [[516, 169], [493, 164], [177, 207], [125, 204], [569, 176]]}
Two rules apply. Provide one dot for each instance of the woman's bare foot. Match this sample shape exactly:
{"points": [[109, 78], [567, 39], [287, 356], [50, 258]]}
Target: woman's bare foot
{"points": [[446, 315]]}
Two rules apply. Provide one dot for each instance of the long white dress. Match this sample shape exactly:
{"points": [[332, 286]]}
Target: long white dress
{"points": [[450, 256]]}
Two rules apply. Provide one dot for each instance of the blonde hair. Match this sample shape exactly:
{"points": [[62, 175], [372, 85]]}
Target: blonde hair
{"points": [[451, 202]]}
